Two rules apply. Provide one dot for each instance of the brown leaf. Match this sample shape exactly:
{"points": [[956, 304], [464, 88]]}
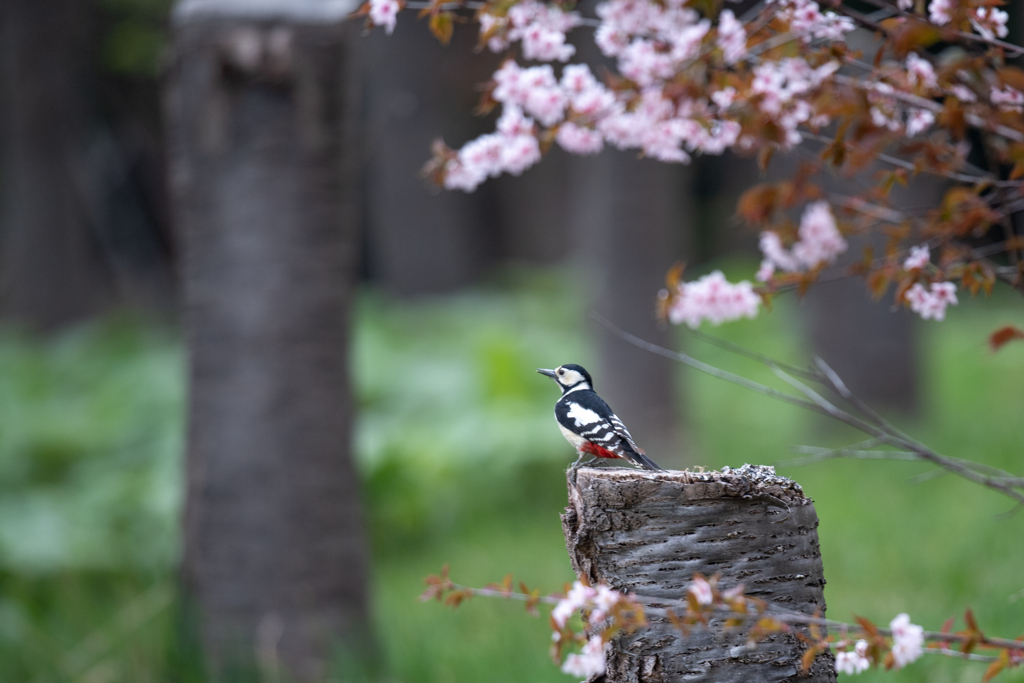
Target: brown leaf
{"points": [[1003, 335], [442, 25], [869, 628], [757, 204], [995, 667], [1012, 76], [808, 659]]}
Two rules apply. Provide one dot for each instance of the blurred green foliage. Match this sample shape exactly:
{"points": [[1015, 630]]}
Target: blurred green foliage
{"points": [[463, 465], [134, 37]]}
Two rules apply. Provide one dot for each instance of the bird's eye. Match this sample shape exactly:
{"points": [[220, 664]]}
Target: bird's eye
{"points": [[561, 371]]}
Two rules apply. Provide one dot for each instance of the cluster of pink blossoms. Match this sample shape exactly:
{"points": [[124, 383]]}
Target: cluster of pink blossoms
{"points": [[715, 299], [907, 641], [590, 661], [853, 662], [651, 41], [920, 256], [819, 242], [931, 303], [598, 603], [808, 21], [540, 28], [511, 149]]}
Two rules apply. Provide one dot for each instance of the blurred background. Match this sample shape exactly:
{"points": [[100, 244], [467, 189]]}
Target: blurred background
{"points": [[128, 288]]}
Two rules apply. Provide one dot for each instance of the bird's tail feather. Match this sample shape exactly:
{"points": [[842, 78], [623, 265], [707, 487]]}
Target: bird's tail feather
{"points": [[640, 458]]}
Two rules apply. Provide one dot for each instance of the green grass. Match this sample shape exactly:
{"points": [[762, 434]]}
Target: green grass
{"points": [[90, 444]]}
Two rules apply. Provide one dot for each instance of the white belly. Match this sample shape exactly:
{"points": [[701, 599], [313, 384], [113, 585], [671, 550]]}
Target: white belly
{"points": [[576, 440]]}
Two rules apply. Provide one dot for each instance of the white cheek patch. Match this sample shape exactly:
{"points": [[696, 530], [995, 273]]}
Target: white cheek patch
{"points": [[583, 416], [570, 377]]}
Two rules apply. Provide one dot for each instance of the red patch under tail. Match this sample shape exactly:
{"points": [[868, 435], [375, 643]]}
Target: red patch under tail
{"points": [[598, 451]]}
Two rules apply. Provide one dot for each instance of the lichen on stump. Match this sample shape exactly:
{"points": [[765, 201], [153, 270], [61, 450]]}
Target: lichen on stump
{"points": [[649, 532]]}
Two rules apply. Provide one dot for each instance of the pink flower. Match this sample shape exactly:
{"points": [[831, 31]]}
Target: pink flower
{"points": [[918, 121], [919, 258], [853, 662], [732, 38], [541, 29], [590, 662], [990, 22], [907, 640], [701, 590], [578, 597], [715, 299], [805, 17], [905, 4], [579, 140], [765, 272], [963, 93], [1008, 99], [941, 11], [775, 253], [820, 241], [385, 13], [931, 303], [920, 71]]}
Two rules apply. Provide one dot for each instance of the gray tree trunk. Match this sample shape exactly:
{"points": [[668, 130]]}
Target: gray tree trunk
{"points": [[649, 533], [53, 273], [631, 221], [275, 552]]}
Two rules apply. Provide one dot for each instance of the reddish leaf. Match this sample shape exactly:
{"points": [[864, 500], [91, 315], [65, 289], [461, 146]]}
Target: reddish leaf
{"points": [[1003, 335], [757, 204], [869, 628], [995, 667]]}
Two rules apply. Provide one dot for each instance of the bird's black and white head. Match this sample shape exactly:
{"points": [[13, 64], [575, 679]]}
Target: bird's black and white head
{"points": [[570, 377]]}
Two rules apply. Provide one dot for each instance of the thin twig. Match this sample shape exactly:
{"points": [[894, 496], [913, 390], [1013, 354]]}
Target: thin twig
{"points": [[872, 424]]}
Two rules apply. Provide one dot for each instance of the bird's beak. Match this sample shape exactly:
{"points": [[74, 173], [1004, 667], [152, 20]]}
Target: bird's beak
{"points": [[549, 373]]}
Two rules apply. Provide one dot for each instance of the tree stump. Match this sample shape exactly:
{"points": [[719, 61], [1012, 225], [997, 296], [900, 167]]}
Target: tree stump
{"points": [[648, 533]]}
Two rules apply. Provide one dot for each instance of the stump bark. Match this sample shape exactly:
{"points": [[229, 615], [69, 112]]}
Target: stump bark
{"points": [[648, 533]]}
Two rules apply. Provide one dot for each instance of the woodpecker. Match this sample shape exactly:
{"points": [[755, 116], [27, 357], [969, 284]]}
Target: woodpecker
{"points": [[588, 423]]}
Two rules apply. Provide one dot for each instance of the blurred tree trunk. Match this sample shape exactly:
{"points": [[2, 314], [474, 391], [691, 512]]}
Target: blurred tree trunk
{"points": [[422, 239], [275, 552], [52, 270], [631, 221]]}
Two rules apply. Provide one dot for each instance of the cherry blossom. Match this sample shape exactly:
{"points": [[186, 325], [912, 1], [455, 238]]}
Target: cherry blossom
{"points": [[990, 22], [806, 19], [1008, 99], [820, 242], [577, 598], [732, 38], [579, 140], [385, 13], [931, 303], [920, 256], [920, 71], [853, 662], [590, 661], [907, 640], [701, 591], [541, 29], [963, 93], [940, 11], [918, 121], [715, 299]]}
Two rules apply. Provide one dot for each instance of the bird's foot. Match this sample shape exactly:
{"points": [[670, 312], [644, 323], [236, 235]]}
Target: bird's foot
{"points": [[580, 462]]}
